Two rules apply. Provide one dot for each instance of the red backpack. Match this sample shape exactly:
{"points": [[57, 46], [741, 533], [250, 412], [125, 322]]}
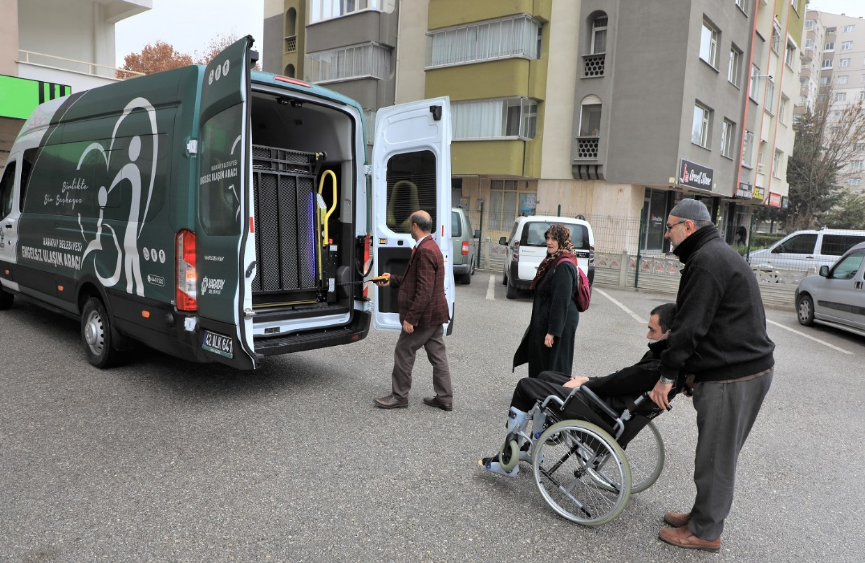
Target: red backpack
{"points": [[582, 291]]}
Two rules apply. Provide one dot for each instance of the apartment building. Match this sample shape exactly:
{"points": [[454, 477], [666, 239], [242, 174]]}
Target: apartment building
{"points": [[602, 108], [52, 48], [843, 65]]}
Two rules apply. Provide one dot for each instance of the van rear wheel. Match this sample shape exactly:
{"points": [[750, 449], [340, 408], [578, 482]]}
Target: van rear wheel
{"points": [[511, 292], [5, 299], [96, 334]]}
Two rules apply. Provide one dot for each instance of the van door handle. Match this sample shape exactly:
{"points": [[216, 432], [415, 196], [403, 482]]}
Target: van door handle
{"points": [[250, 268], [857, 285], [8, 225]]}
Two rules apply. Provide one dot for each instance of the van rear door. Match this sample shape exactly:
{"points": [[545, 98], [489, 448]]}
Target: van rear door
{"points": [[225, 259], [411, 171]]}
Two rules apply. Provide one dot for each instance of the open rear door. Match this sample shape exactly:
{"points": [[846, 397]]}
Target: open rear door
{"points": [[411, 170], [225, 258]]}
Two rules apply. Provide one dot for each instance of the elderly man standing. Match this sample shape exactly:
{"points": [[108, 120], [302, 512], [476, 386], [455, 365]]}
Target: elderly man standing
{"points": [[719, 336], [423, 309]]}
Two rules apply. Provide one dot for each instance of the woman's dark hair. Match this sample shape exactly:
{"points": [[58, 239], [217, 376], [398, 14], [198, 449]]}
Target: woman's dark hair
{"points": [[666, 315]]}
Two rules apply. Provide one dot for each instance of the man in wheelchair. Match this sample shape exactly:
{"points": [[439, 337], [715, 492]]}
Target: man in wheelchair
{"points": [[619, 391]]}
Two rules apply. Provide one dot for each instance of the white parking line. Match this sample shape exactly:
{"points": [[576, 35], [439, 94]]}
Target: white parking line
{"points": [[491, 289], [637, 317], [823, 342]]}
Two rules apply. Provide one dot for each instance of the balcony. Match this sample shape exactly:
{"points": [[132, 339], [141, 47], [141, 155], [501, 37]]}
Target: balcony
{"points": [[587, 148], [593, 65], [80, 75]]}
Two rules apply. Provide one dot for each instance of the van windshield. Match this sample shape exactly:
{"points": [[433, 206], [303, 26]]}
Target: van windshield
{"points": [[533, 234]]}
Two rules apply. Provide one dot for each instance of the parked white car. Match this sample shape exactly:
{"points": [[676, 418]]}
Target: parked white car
{"points": [[527, 248], [835, 297], [806, 250]]}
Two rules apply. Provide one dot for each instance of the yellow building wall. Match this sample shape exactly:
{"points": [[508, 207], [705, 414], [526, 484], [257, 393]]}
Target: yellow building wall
{"points": [[494, 79], [449, 13], [495, 158]]}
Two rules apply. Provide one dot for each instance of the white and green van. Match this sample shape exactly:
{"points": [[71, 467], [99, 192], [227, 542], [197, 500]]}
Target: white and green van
{"points": [[217, 213]]}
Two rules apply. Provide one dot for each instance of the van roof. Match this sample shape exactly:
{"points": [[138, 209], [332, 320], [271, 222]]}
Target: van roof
{"points": [[269, 78], [553, 219]]}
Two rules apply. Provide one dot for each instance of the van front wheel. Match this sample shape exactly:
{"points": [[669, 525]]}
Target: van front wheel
{"points": [[96, 334]]}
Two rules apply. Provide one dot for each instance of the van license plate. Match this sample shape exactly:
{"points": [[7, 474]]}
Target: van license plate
{"points": [[218, 344]]}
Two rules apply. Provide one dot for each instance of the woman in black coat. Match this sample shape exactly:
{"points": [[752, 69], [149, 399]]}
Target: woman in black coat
{"points": [[548, 343]]}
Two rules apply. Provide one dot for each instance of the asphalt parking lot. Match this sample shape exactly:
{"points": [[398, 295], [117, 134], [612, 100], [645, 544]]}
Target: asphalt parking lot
{"points": [[164, 460]]}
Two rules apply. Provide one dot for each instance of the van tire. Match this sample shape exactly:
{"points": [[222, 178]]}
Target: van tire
{"points": [[466, 279], [96, 334], [6, 299], [511, 292]]}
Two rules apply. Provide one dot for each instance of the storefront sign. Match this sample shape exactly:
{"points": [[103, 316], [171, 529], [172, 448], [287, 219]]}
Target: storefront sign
{"points": [[745, 191], [774, 200], [695, 176], [759, 193]]}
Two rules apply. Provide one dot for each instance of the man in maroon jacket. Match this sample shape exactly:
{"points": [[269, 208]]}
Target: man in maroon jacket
{"points": [[423, 309]]}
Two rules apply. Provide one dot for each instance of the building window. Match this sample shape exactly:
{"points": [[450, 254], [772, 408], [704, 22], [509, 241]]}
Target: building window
{"points": [[809, 24], [860, 146], [789, 55], [854, 181], [846, 45], [498, 39], [599, 35], [862, 95], [709, 44], [782, 110], [748, 149], [590, 117], [827, 63], [776, 37], [752, 86], [700, 128], [795, 4], [359, 61], [841, 80], [849, 28], [494, 119], [829, 47], [855, 165], [727, 135], [844, 63], [809, 43], [824, 80], [321, 10], [742, 5], [776, 164], [840, 96], [735, 67], [770, 96]]}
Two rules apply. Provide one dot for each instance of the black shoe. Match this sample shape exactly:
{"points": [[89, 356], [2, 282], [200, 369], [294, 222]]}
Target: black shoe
{"points": [[390, 402], [438, 403]]}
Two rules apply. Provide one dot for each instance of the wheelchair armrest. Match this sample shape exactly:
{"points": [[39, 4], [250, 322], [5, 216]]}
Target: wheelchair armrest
{"points": [[597, 400]]}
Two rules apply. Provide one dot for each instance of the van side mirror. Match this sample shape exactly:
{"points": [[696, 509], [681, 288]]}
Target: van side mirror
{"points": [[824, 271], [477, 233], [503, 241]]}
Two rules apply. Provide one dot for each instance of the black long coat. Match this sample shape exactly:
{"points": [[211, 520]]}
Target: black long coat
{"points": [[553, 312]]}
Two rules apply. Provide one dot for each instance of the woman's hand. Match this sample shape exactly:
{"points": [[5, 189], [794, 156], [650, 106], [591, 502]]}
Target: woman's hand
{"points": [[548, 340]]}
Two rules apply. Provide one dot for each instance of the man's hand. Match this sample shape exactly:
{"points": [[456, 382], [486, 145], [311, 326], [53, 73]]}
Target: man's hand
{"points": [[382, 280], [407, 327], [576, 381], [548, 340], [660, 394]]}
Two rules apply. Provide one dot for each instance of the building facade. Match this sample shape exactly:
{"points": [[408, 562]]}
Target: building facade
{"points": [[52, 48], [608, 109]]}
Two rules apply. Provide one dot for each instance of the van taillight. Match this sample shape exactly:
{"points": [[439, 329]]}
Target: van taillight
{"points": [[465, 248], [591, 254], [516, 255], [187, 280]]}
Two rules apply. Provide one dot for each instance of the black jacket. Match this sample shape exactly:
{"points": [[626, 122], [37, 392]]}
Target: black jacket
{"points": [[621, 387], [720, 328]]}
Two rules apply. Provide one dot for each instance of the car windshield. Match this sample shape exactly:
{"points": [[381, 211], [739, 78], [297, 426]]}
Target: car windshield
{"points": [[533, 234]]}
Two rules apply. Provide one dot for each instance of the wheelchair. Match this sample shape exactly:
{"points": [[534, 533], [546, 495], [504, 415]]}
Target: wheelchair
{"points": [[580, 466]]}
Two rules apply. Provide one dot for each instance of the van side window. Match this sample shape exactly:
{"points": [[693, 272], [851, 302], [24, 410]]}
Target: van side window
{"points": [[836, 245], [534, 234], [411, 185], [456, 225], [26, 167], [848, 266], [7, 184], [579, 237], [799, 244]]}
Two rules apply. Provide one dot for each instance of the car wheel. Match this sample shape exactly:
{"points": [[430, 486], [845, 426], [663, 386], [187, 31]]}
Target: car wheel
{"points": [[511, 292], [472, 271], [805, 310], [96, 334]]}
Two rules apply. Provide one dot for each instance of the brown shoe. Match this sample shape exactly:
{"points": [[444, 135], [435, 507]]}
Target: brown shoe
{"points": [[683, 537], [438, 403], [390, 402], [677, 519]]}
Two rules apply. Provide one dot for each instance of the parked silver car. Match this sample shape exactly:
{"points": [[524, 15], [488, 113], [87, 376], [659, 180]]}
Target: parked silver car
{"points": [[835, 297], [465, 247]]}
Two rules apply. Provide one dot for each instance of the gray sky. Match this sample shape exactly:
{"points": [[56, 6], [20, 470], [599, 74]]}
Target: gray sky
{"points": [[189, 25], [852, 8]]}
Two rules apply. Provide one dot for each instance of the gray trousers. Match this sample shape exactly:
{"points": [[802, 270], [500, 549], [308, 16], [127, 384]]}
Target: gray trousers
{"points": [[725, 414], [432, 339]]}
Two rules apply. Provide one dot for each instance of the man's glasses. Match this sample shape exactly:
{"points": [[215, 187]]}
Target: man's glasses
{"points": [[670, 227]]}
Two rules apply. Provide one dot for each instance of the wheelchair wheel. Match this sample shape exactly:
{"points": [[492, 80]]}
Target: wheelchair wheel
{"points": [[646, 458], [569, 460], [510, 455]]}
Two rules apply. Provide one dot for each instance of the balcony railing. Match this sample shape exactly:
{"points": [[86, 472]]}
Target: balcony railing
{"points": [[593, 65], [72, 65], [587, 148], [291, 44]]}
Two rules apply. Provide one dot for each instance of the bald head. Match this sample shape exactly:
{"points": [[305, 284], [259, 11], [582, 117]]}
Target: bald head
{"points": [[423, 221]]}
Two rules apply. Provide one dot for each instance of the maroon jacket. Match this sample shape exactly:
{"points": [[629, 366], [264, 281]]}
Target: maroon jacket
{"points": [[422, 299]]}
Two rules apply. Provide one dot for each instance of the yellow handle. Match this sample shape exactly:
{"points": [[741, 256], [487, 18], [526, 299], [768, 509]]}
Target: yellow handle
{"points": [[324, 216]]}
